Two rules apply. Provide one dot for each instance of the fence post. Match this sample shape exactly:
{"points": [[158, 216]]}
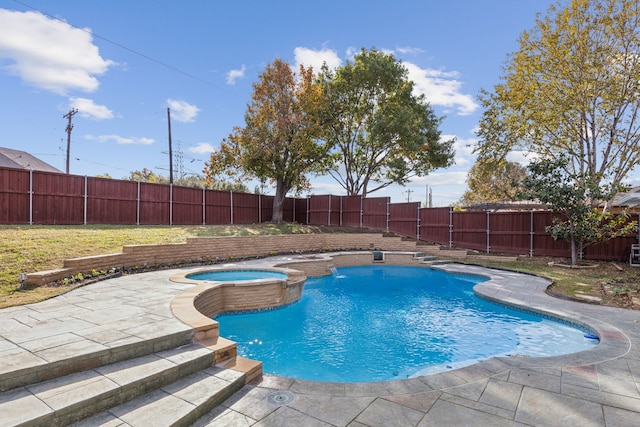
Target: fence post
{"points": [[30, 196], [340, 211], [260, 208], [231, 204], [362, 212], [329, 211], [531, 234], [204, 206], [138, 206], [85, 199], [450, 227], [170, 204], [388, 214], [308, 197], [488, 233], [418, 224]]}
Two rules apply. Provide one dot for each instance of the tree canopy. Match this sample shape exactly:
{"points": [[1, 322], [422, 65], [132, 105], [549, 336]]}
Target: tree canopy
{"points": [[280, 140], [570, 197], [379, 131], [493, 182], [573, 87]]}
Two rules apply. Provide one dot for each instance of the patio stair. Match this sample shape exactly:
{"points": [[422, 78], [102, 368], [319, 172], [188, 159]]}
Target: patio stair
{"points": [[173, 386]]}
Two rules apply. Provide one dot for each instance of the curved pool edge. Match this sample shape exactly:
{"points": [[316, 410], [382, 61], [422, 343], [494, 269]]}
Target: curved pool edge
{"points": [[520, 290]]}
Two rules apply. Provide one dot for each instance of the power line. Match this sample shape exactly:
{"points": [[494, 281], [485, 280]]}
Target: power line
{"points": [[121, 46]]}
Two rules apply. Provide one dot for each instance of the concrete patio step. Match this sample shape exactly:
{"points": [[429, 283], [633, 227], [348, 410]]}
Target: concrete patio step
{"points": [[180, 403], [65, 354], [74, 397]]}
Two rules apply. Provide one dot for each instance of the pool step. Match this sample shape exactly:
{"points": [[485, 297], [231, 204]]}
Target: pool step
{"points": [[73, 397], [180, 403]]}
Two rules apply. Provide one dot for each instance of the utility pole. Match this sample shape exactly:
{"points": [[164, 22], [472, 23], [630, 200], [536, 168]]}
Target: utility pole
{"points": [[409, 191], [69, 128], [170, 149]]}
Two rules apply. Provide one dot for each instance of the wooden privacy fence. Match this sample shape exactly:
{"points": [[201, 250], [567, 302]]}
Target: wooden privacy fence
{"points": [[33, 197]]}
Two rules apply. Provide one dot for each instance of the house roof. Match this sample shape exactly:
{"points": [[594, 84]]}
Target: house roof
{"points": [[631, 198], [10, 158]]}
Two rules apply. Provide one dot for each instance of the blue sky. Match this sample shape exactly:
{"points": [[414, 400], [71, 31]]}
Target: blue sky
{"points": [[122, 63]]}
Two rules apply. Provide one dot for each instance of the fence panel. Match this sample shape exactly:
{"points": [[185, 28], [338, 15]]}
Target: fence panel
{"points": [[434, 225], [186, 205], [470, 230], [351, 211], [403, 218], [155, 208], [245, 208], [374, 212], [57, 198], [217, 207], [111, 201], [510, 232], [14, 196], [543, 243]]}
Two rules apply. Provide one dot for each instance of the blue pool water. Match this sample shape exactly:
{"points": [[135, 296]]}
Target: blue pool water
{"points": [[388, 322], [237, 275]]}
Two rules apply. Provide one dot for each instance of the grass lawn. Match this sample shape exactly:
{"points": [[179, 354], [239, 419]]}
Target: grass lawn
{"points": [[35, 248]]}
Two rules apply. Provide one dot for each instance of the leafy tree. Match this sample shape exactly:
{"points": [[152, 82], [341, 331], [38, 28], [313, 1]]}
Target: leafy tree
{"points": [[571, 196], [147, 175], [493, 182], [573, 87], [380, 132], [195, 181], [280, 139]]}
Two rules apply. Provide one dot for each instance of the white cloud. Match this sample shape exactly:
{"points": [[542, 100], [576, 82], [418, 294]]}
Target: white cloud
{"points": [[50, 54], [182, 111], [522, 157], [88, 109], [315, 58], [234, 75], [202, 148], [441, 88], [120, 139], [442, 178], [407, 50], [464, 150]]}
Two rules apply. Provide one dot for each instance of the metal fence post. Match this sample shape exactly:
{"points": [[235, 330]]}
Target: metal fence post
{"points": [[231, 204], [488, 233], [30, 196], [418, 224], [204, 206], [450, 227], [362, 211], [531, 234], [138, 206], [85, 199], [329, 211], [170, 204]]}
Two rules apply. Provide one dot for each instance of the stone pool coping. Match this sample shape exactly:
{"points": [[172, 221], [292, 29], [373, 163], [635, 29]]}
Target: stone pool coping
{"points": [[522, 291]]}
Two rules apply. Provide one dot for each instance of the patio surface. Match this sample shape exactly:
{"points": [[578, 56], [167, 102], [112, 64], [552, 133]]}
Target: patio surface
{"points": [[597, 387]]}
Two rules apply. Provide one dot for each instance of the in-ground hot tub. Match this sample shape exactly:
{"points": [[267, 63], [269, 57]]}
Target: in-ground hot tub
{"points": [[239, 275], [233, 288]]}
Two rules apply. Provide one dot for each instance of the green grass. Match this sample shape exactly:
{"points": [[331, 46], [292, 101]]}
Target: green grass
{"points": [[37, 248]]}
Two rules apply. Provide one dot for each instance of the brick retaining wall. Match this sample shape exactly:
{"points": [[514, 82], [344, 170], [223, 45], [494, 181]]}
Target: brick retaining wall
{"points": [[197, 249]]}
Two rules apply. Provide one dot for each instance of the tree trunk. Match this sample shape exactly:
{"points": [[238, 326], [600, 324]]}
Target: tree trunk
{"points": [[278, 202], [574, 250]]}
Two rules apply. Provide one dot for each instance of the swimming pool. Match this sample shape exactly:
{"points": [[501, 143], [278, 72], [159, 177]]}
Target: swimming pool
{"points": [[376, 323], [237, 275]]}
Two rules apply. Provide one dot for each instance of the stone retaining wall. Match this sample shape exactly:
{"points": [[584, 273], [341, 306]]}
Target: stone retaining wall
{"points": [[197, 249]]}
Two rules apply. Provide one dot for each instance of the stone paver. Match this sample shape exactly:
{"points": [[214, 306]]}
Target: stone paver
{"points": [[597, 387]]}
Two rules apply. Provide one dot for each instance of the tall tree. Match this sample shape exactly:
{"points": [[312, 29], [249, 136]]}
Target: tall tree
{"points": [[381, 133], [281, 137], [573, 87], [570, 197], [493, 182]]}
